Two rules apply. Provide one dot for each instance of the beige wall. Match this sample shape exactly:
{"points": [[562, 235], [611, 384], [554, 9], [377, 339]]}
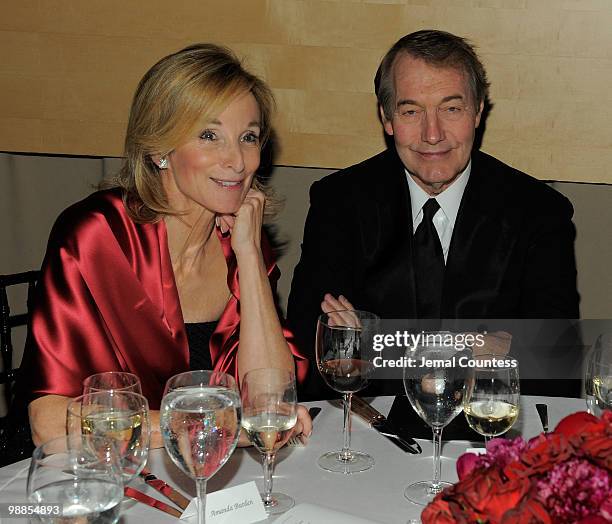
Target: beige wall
{"points": [[69, 69]]}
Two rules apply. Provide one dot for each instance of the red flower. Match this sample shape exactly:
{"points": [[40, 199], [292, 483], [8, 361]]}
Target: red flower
{"points": [[551, 479], [530, 511], [467, 463], [485, 496], [438, 511], [542, 454], [576, 423], [599, 449]]}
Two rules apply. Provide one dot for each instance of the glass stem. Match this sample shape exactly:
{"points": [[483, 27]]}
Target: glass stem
{"points": [[201, 496], [487, 438], [437, 445], [346, 454], [268, 469]]}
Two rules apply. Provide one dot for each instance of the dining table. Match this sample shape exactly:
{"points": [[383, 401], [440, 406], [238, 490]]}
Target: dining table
{"points": [[376, 494]]}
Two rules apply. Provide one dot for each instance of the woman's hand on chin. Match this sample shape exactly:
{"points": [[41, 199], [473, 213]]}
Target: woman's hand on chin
{"points": [[245, 224]]}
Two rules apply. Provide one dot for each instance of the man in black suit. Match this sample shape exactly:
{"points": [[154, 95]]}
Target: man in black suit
{"points": [[431, 228]]}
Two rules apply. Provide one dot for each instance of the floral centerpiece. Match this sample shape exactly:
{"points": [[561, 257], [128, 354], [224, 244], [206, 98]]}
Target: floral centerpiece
{"points": [[561, 477]]}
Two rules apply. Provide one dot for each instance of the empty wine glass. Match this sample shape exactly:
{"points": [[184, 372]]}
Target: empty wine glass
{"points": [[72, 472], [118, 416], [200, 424], [268, 416], [598, 375], [435, 387], [491, 401], [344, 358], [112, 380]]}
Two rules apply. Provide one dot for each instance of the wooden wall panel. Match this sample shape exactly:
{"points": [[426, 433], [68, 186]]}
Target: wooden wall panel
{"points": [[68, 71]]}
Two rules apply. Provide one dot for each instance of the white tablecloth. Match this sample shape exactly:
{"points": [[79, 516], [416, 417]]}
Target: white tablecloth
{"points": [[376, 494]]}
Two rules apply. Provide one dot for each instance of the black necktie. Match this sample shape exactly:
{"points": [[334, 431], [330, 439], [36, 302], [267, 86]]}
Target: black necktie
{"points": [[428, 264]]}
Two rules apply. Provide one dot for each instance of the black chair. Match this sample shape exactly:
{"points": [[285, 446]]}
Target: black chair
{"points": [[15, 437]]}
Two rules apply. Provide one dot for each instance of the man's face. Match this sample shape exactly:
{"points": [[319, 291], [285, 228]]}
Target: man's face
{"points": [[434, 121]]}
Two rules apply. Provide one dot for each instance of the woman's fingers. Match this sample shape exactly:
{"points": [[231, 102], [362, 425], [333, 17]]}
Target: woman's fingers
{"points": [[249, 215], [303, 425], [305, 420], [246, 230], [225, 222]]}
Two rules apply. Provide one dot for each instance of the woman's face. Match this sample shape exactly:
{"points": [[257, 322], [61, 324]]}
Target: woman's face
{"points": [[214, 170]]}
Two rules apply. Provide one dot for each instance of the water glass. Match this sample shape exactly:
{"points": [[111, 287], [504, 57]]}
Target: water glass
{"points": [[435, 387], [79, 473], [200, 424]]}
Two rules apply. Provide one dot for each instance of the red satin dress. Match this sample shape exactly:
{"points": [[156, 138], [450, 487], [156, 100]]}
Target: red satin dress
{"points": [[107, 301]]}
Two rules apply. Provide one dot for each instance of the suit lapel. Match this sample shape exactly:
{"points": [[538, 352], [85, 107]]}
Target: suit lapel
{"points": [[387, 239], [480, 249]]}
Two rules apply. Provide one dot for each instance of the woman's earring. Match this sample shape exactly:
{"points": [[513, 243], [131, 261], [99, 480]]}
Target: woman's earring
{"points": [[163, 162]]}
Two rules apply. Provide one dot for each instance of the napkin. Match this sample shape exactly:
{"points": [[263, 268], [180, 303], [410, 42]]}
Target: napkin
{"points": [[311, 514]]}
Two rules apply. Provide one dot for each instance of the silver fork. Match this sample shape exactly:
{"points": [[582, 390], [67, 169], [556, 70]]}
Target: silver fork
{"points": [[295, 441]]}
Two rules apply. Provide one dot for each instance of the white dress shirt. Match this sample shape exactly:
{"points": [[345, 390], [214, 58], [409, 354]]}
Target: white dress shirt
{"points": [[449, 201]]}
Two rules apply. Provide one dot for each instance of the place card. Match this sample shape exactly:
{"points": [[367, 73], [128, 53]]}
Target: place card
{"points": [[236, 505], [476, 451]]}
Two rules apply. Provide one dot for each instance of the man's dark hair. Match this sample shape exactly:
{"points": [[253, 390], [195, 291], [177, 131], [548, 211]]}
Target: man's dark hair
{"points": [[437, 48]]}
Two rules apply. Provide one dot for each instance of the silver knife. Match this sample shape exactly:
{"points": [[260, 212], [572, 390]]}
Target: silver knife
{"points": [[543, 413], [380, 423]]}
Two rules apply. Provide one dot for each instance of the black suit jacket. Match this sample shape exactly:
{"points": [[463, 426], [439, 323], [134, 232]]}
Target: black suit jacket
{"points": [[511, 253]]}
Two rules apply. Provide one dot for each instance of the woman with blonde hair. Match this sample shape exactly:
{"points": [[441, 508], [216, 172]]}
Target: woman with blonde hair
{"points": [[167, 269]]}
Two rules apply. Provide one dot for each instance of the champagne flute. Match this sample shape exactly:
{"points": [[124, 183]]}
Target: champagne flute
{"points": [[73, 472], [598, 375], [268, 415], [200, 424], [344, 359], [112, 380], [435, 388], [121, 417], [491, 401]]}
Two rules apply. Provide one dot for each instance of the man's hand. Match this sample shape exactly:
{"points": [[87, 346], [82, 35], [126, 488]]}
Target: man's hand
{"points": [[340, 309], [496, 343]]}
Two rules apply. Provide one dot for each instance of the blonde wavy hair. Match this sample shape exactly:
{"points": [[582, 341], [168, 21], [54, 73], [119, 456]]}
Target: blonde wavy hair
{"points": [[171, 101]]}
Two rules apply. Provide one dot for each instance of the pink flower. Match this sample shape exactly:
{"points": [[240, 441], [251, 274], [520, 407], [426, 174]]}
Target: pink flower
{"points": [[574, 489], [500, 452]]}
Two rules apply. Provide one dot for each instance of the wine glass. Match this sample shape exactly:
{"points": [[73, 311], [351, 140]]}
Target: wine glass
{"points": [[70, 471], [268, 415], [121, 417], [112, 380], [435, 387], [598, 375], [344, 358], [491, 401], [200, 425]]}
